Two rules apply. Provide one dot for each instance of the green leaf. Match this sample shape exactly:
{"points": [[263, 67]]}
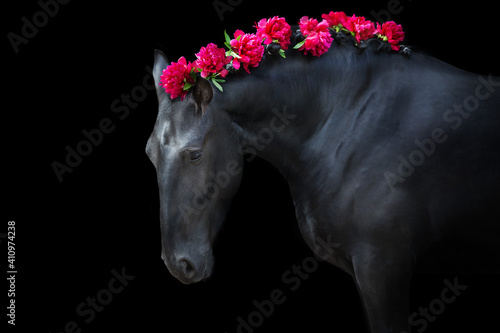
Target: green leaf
{"points": [[187, 86], [214, 81], [230, 51], [282, 53], [193, 76], [347, 31], [337, 28], [233, 54], [299, 45], [226, 36], [219, 80]]}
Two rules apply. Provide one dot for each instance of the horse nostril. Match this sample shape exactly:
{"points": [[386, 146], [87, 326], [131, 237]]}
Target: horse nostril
{"points": [[187, 268]]}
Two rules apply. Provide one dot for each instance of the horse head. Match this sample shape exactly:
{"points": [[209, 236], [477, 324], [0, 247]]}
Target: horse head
{"points": [[194, 148]]}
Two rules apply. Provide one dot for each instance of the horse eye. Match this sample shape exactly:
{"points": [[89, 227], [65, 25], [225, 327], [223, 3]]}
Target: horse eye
{"points": [[195, 156]]}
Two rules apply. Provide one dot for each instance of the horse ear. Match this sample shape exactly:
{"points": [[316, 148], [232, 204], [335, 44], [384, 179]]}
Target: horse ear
{"points": [[161, 62], [202, 94]]}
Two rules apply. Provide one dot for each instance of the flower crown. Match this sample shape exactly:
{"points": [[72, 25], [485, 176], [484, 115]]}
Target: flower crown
{"points": [[246, 50]]}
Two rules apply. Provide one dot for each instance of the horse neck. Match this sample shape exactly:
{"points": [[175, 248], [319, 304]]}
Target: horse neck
{"points": [[284, 103]]}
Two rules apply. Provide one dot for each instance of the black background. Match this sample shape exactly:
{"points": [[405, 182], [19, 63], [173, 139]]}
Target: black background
{"points": [[70, 235]]}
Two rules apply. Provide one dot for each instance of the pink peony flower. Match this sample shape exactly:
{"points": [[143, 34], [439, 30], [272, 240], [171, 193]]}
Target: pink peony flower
{"points": [[274, 29], [248, 48], [335, 19], [361, 27], [211, 60], [178, 78], [318, 38], [392, 33]]}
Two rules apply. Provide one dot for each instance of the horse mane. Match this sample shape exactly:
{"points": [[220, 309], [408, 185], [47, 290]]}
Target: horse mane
{"points": [[342, 38], [374, 45]]}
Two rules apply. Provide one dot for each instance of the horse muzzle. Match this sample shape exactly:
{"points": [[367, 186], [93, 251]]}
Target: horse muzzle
{"points": [[189, 269]]}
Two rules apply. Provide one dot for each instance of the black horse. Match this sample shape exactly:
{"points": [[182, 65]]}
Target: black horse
{"points": [[392, 160]]}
